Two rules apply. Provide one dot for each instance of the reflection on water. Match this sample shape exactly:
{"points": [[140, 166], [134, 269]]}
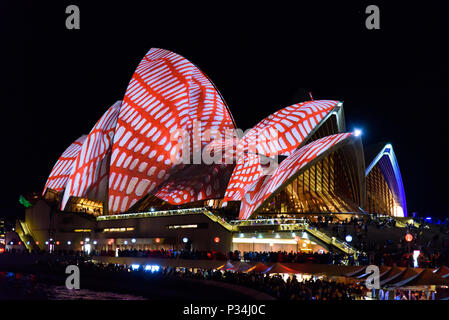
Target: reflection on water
{"points": [[17, 286], [62, 293]]}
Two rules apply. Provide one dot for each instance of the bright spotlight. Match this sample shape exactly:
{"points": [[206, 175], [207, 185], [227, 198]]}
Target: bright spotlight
{"points": [[185, 239], [357, 132], [348, 238], [152, 268], [416, 254]]}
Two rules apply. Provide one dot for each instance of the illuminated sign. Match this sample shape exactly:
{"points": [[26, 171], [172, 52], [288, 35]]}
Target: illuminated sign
{"points": [[118, 229], [183, 226]]}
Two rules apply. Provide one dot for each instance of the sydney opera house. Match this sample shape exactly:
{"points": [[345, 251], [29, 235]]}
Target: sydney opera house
{"points": [[166, 167]]}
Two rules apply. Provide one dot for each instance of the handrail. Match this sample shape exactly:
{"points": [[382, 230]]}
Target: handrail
{"points": [[215, 218], [24, 234], [167, 213], [151, 214], [273, 221], [334, 241]]}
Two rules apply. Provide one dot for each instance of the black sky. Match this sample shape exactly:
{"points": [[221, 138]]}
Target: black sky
{"points": [[394, 81]]}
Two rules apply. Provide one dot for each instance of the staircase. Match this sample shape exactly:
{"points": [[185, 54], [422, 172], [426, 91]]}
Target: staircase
{"points": [[217, 219], [332, 241], [25, 235]]}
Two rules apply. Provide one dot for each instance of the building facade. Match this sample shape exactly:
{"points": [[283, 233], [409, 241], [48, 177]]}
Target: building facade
{"points": [[166, 167]]}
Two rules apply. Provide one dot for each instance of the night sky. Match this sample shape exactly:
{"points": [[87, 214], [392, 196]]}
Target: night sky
{"points": [[393, 81]]}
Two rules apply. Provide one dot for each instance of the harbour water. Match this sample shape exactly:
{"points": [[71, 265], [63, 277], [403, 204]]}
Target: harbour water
{"points": [[17, 286]]}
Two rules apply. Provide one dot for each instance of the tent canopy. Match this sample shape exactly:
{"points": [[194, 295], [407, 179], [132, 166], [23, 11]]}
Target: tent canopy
{"points": [[279, 268], [258, 267], [226, 266], [241, 267], [427, 278]]}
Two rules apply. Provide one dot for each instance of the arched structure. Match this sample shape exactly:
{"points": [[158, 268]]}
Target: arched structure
{"points": [[167, 94], [171, 144], [267, 187], [285, 130], [90, 173], [207, 180], [280, 134], [61, 170], [385, 189]]}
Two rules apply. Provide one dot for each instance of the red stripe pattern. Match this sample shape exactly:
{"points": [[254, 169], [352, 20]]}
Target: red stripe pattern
{"points": [[284, 131], [278, 134], [246, 172], [196, 182], [267, 185], [166, 93], [90, 172], [61, 171]]}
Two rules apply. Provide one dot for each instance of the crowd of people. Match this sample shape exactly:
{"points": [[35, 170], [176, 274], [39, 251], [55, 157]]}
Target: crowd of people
{"points": [[293, 257], [433, 253], [412, 295], [378, 254], [251, 256], [275, 285], [169, 254], [292, 289]]}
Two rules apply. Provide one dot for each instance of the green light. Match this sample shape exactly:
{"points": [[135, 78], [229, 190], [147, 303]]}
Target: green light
{"points": [[24, 202]]}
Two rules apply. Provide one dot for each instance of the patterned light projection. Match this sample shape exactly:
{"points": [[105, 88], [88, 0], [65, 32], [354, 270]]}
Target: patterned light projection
{"points": [[266, 185], [90, 173], [61, 171], [327, 186], [172, 142], [246, 172], [284, 131], [196, 182], [166, 93]]}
